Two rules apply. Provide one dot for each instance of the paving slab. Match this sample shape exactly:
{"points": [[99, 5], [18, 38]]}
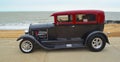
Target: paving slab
{"points": [[9, 52]]}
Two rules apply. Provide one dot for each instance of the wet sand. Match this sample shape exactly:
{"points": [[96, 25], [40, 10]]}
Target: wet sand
{"points": [[9, 52]]}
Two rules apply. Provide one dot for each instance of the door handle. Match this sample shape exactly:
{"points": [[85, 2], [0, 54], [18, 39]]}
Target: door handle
{"points": [[73, 26]]}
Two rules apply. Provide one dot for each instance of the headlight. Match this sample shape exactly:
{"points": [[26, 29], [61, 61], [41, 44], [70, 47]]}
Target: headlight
{"points": [[26, 31]]}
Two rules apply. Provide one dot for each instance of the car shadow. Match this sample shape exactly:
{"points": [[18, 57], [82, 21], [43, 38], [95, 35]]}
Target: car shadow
{"points": [[82, 49]]}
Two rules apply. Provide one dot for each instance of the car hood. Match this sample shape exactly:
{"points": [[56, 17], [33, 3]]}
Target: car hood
{"points": [[41, 26]]}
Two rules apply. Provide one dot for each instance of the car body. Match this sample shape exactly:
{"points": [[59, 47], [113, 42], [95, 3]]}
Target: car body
{"points": [[71, 29]]}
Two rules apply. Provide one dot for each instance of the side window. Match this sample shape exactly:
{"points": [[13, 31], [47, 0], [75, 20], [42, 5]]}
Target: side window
{"points": [[64, 18], [79, 17], [85, 17]]}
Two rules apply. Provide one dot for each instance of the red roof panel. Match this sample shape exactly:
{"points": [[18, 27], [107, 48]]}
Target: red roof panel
{"points": [[76, 12]]}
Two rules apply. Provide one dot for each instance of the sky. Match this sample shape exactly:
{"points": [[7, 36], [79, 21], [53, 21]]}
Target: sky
{"points": [[59, 5]]}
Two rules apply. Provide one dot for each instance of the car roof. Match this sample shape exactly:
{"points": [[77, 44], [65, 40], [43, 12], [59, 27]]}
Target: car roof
{"points": [[77, 12]]}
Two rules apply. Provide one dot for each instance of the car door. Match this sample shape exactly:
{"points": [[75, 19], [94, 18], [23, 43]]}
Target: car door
{"points": [[64, 27], [85, 23]]}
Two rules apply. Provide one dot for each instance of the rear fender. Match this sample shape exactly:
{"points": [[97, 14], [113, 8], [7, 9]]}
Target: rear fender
{"points": [[27, 36], [97, 32]]}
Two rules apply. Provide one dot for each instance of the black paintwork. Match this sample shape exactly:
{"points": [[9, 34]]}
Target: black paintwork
{"points": [[59, 36], [61, 44], [40, 26], [67, 31]]}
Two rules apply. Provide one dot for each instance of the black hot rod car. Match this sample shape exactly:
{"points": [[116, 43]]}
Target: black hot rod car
{"points": [[71, 29]]}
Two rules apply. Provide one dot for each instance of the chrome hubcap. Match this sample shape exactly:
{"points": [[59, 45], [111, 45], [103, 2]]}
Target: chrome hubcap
{"points": [[97, 43], [26, 46]]}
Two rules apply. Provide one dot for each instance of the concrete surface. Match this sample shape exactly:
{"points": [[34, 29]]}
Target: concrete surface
{"points": [[9, 52]]}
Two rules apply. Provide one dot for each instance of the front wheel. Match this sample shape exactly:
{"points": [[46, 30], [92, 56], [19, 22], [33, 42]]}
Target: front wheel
{"points": [[26, 46], [96, 42]]}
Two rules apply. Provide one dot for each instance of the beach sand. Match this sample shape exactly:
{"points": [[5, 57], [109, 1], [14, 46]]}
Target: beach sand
{"points": [[112, 30], [11, 33]]}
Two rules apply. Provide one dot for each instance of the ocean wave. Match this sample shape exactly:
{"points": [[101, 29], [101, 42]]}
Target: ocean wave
{"points": [[17, 26], [14, 26]]}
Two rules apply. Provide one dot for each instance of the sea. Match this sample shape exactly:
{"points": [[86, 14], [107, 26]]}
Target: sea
{"points": [[22, 20]]}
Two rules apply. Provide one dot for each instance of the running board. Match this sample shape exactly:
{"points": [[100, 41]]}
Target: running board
{"points": [[68, 46], [62, 41]]}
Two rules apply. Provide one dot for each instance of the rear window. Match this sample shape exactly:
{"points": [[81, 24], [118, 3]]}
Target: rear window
{"points": [[85, 17]]}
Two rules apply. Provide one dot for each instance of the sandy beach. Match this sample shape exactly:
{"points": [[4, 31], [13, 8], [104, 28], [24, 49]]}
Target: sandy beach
{"points": [[112, 30], [11, 33]]}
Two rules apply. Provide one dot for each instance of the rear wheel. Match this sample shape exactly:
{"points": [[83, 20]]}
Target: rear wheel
{"points": [[96, 42], [26, 46]]}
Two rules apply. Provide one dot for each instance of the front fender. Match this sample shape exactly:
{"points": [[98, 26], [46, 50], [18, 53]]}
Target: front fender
{"points": [[27, 36]]}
